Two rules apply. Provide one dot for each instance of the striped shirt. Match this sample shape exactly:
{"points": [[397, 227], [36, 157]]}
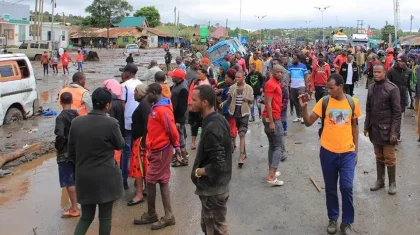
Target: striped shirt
{"points": [[297, 75]]}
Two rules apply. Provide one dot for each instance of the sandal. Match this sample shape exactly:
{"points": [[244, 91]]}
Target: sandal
{"points": [[180, 163], [240, 164], [162, 223], [275, 182], [133, 203], [69, 214], [146, 219]]}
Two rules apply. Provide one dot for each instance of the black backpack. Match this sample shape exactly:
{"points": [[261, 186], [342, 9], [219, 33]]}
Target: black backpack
{"points": [[325, 101]]}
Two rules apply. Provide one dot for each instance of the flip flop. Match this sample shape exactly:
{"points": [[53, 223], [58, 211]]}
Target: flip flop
{"points": [[275, 182], [133, 203], [180, 164], [68, 214]]}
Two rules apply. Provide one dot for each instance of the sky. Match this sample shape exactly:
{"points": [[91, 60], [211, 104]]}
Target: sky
{"points": [[280, 13]]}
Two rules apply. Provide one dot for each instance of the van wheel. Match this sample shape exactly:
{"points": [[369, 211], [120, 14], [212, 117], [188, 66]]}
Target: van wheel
{"points": [[13, 115], [37, 57]]}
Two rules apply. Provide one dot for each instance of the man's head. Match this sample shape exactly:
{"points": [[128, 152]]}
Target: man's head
{"points": [[344, 53], [78, 51], [154, 93], [285, 60], [160, 77], [178, 75], [202, 73], [65, 51], [255, 56], [296, 59], [265, 56], [240, 77], [131, 54], [79, 78], [129, 71], [203, 98], [205, 62], [238, 55], [252, 67], [195, 64], [277, 72], [321, 58], [101, 99], [140, 92], [66, 99], [230, 76], [350, 59], [153, 63], [379, 72], [335, 85], [402, 62], [276, 61], [178, 60]]}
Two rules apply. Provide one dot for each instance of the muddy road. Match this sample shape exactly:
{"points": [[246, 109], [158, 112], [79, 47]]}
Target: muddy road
{"points": [[33, 194]]}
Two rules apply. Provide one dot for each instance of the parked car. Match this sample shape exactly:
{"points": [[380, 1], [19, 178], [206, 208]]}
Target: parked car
{"points": [[18, 95], [34, 49], [131, 48]]}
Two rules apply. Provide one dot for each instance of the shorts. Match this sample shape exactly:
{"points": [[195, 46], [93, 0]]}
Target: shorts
{"points": [[66, 174], [242, 124], [160, 165]]}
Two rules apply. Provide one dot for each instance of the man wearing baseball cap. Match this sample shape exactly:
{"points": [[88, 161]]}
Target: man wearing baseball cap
{"points": [[129, 84], [179, 101]]}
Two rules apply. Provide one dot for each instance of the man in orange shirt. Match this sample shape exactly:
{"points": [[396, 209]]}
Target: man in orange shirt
{"points": [[80, 60], [340, 60], [45, 60], [65, 60]]}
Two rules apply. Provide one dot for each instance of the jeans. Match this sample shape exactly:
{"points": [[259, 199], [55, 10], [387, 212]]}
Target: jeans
{"points": [[45, 68], [320, 91], [125, 161], [276, 143], [285, 126], [213, 214], [255, 102], [294, 94], [348, 88], [339, 166], [88, 214]]}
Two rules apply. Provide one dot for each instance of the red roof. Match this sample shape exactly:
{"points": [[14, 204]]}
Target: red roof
{"points": [[219, 32]]}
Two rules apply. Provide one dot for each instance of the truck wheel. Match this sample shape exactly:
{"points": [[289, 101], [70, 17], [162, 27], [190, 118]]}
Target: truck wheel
{"points": [[13, 115], [37, 58]]}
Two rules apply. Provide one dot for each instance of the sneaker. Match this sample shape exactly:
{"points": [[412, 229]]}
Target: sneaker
{"points": [[301, 121], [332, 227], [296, 120], [252, 119], [347, 229]]}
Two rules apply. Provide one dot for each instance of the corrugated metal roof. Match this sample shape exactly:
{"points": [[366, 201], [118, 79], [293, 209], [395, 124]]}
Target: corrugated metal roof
{"points": [[157, 32], [102, 33], [131, 21]]}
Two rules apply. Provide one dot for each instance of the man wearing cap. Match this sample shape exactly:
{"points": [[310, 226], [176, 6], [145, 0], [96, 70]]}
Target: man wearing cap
{"points": [[400, 75], [91, 144], [179, 100], [152, 70], [129, 84]]}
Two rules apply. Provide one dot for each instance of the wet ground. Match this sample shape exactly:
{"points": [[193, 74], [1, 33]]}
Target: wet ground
{"points": [[31, 201]]}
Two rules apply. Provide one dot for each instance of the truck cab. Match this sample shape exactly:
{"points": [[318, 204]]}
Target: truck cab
{"points": [[18, 94], [226, 47], [361, 40]]}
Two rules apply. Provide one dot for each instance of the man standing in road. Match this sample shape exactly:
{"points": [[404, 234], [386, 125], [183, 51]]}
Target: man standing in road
{"points": [[152, 70], [257, 62], [45, 60], [241, 62], [339, 134], [82, 101], [179, 100], [255, 80], [273, 126], [129, 85], [168, 59], [212, 168], [65, 60], [181, 64], [382, 125], [192, 74], [340, 60], [298, 85], [360, 60], [320, 73], [350, 74]]}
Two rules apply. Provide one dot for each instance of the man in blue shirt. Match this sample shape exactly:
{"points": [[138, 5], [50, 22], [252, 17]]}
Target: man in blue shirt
{"points": [[298, 84]]}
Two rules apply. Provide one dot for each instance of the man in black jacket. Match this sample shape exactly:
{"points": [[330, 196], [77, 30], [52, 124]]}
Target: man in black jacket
{"points": [[400, 75], [212, 168], [179, 101], [350, 73], [382, 125]]}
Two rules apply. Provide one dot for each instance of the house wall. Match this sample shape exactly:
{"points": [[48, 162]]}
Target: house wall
{"points": [[15, 33], [153, 41], [169, 40], [123, 41], [58, 33]]}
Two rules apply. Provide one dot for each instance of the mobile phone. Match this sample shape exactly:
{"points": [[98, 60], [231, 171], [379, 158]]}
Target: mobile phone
{"points": [[306, 98]]}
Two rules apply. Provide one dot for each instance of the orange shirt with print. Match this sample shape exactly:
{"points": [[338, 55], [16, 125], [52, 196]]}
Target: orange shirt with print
{"points": [[337, 136]]}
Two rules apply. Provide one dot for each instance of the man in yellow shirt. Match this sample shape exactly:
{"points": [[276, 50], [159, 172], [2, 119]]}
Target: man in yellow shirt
{"points": [[339, 145], [258, 63]]}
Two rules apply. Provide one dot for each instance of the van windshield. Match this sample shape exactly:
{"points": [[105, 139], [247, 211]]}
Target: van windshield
{"points": [[219, 52]]}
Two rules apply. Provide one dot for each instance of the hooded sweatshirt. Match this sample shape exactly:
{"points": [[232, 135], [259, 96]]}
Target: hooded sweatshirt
{"points": [[161, 128], [320, 74], [61, 131]]}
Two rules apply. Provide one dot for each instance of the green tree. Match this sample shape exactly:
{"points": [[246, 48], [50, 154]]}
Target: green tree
{"points": [[386, 31], [152, 15], [104, 11]]}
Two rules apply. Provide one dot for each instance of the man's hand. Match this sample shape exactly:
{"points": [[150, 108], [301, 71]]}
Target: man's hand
{"points": [[178, 155], [272, 127], [303, 100], [393, 139], [366, 133], [222, 105], [201, 172]]}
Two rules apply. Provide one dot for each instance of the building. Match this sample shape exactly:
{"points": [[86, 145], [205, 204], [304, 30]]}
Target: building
{"points": [[132, 21]]}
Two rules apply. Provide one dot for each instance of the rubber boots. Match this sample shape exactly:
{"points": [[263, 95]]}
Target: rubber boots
{"points": [[380, 181], [392, 184]]}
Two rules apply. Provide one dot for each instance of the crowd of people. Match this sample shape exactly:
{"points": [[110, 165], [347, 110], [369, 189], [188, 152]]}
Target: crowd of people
{"points": [[130, 129]]}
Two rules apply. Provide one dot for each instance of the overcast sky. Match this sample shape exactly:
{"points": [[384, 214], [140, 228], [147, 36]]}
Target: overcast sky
{"points": [[280, 13]]}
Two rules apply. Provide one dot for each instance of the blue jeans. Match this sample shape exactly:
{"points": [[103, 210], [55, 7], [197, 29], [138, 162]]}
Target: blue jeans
{"points": [[335, 165], [255, 101], [125, 161], [284, 123]]}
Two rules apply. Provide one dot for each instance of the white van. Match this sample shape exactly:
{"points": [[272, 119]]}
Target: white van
{"points": [[18, 95]]}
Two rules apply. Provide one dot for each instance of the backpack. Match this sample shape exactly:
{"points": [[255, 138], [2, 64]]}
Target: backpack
{"points": [[325, 101]]}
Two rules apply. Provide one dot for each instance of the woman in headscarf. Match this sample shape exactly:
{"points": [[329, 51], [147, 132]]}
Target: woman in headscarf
{"points": [[139, 163]]}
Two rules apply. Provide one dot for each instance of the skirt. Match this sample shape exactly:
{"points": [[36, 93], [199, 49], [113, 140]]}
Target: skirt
{"points": [[139, 164]]}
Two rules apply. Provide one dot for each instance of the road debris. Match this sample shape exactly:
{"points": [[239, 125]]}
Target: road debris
{"points": [[315, 184], [27, 149]]}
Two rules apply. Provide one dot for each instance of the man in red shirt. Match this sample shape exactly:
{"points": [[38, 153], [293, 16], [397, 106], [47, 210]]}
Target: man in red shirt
{"points": [[241, 62], [65, 60], [273, 126], [340, 60], [320, 73]]}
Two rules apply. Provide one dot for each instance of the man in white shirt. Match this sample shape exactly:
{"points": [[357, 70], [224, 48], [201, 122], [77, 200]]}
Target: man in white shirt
{"points": [[129, 84], [149, 76], [350, 73]]}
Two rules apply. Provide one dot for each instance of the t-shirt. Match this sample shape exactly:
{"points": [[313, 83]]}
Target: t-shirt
{"points": [[239, 101], [349, 80], [337, 135], [297, 75], [340, 60], [258, 64], [130, 103], [255, 80], [272, 89]]}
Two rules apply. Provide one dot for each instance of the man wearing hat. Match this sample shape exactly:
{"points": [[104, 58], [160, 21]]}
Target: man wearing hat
{"points": [[400, 75], [91, 144], [129, 85], [179, 100]]}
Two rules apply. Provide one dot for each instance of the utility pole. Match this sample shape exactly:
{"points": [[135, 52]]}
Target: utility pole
{"points": [[359, 26], [411, 23], [53, 3], [308, 22], [35, 19], [41, 19], [261, 18], [322, 9]]}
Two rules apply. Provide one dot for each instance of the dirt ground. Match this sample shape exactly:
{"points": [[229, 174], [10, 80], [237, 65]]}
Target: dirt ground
{"points": [[33, 195]]}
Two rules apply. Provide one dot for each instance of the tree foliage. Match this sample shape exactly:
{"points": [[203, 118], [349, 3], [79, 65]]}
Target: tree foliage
{"points": [[105, 12], [152, 15]]}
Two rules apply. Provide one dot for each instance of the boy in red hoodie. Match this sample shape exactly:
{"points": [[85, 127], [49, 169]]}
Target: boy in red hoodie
{"points": [[162, 137]]}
